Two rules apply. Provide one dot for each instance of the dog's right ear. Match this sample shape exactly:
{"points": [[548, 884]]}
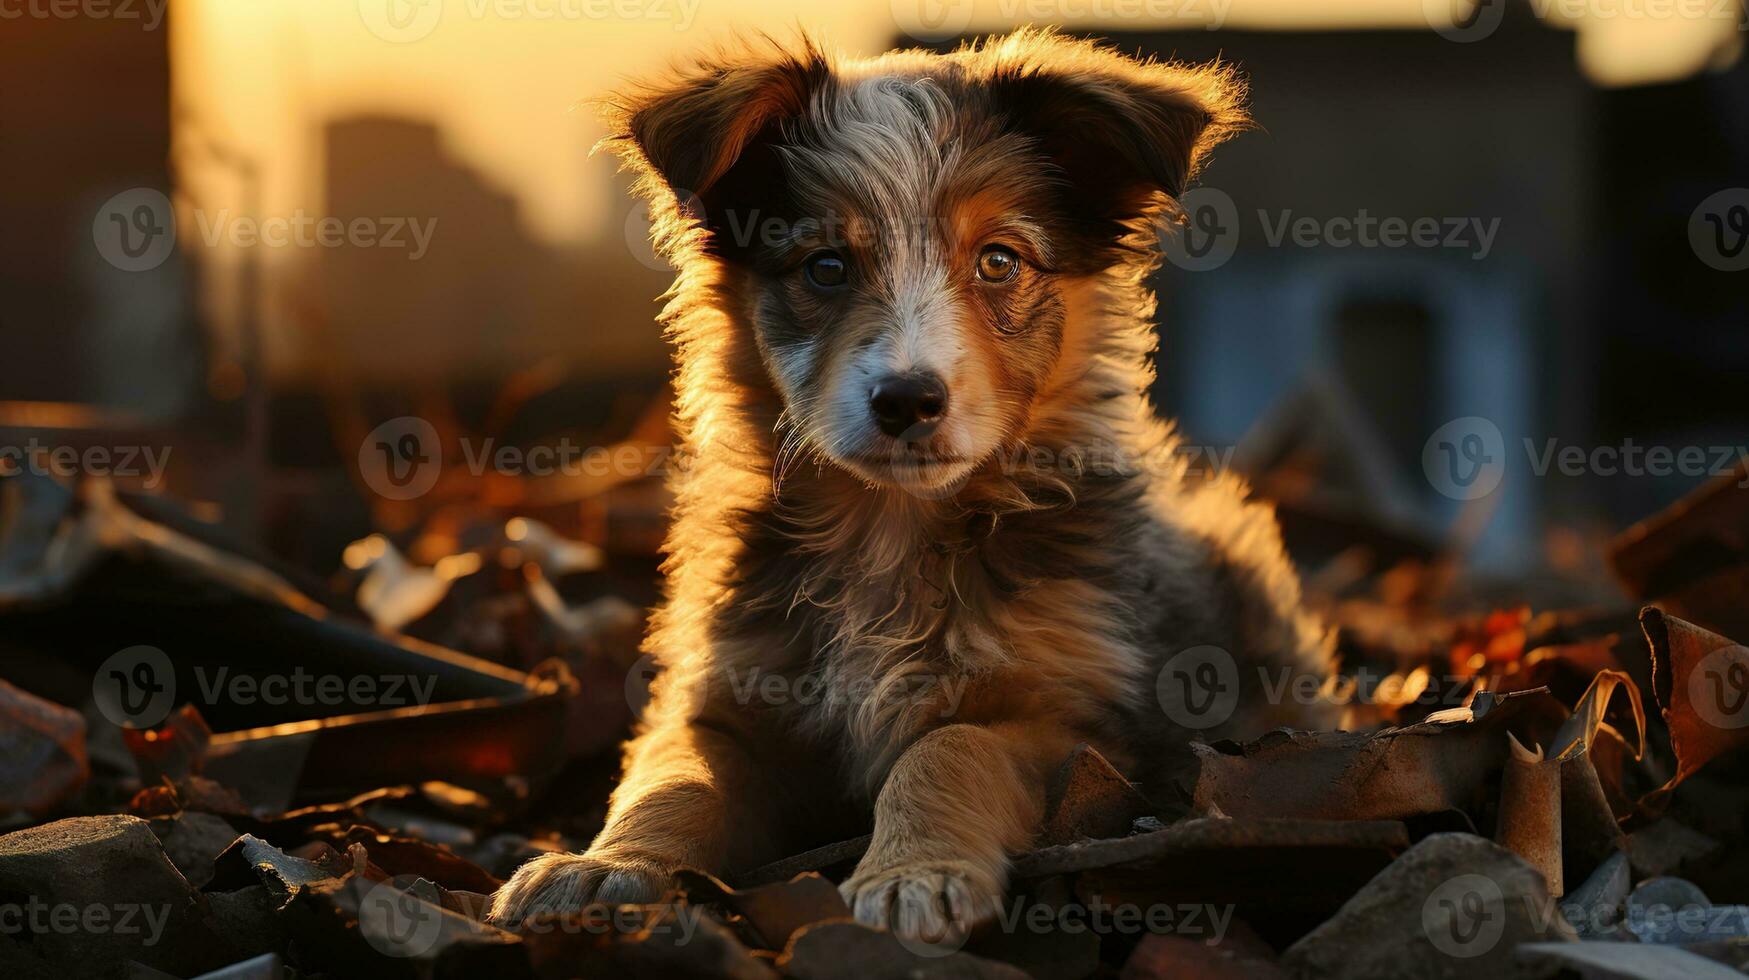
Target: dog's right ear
{"points": [[705, 141]]}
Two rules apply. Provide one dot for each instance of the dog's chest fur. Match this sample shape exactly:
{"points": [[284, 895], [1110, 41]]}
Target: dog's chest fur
{"points": [[885, 617]]}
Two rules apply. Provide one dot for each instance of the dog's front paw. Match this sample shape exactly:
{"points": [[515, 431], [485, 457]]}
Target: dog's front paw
{"points": [[561, 883], [938, 903]]}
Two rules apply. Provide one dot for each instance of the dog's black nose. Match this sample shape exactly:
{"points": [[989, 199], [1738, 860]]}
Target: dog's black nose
{"points": [[908, 405]]}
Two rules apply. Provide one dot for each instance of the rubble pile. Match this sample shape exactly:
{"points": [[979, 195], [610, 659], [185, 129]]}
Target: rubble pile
{"points": [[214, 767]]}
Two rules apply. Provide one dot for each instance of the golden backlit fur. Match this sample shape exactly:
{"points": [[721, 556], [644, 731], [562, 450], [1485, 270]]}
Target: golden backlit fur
{"points": [[918, 629]]}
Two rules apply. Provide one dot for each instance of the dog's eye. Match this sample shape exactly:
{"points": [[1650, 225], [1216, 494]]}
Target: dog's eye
{"points": [[826, 270], [998, 264]]}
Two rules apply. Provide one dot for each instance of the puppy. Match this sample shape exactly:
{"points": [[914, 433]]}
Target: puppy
{"points": [[931, 534]]}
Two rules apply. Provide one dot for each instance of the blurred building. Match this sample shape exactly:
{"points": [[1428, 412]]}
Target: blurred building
{"points": [[1563, 300], [84, 117], [1568, 305]]}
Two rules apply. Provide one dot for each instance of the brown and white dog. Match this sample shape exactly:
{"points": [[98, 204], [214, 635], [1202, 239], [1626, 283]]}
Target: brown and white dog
{"points": [[931, 534]]}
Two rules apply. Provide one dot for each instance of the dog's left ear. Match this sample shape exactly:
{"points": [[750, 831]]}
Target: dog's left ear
{"points": [[1126, 135]]}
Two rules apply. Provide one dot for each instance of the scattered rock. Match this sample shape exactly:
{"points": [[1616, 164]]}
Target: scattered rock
{"points": [[1674, 911], [266, 967], [1454, 905], [1238, 956], [773, 913], [1594, 909], [1628, 961], [94, 893], [826, 950], [246, 921], [42, 753], [670, 940], [1088, 800], [193, 841], [1665, 845]]}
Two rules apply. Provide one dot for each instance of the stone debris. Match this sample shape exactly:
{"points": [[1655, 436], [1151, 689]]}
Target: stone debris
{"points": [[1454, 905], [1518, 794]]}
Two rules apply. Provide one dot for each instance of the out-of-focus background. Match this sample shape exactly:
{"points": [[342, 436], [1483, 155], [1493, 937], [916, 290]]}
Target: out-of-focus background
{"points": [[168, 169], [327, 351]]}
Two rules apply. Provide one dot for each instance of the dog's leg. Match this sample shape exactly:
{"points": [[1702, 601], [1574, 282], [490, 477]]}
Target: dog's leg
{"points": [[687, 800], [958, 802]]}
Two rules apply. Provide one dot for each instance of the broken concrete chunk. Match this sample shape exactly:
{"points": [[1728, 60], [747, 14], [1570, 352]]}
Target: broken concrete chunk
{"points": [[42, 753], [773, 912], [1629, 961], [1454, 905], [666, 940], [1088, 799], [1666, 845], [94, 893], [266, 967], [826, 950], [1594, 909], [193, 841], [247, 921], [286, 876], [1181, 958], [1675, 912]]}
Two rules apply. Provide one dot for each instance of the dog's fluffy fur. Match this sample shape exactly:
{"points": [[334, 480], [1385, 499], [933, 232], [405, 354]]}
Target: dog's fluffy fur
{"points": [[921, 629]]}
